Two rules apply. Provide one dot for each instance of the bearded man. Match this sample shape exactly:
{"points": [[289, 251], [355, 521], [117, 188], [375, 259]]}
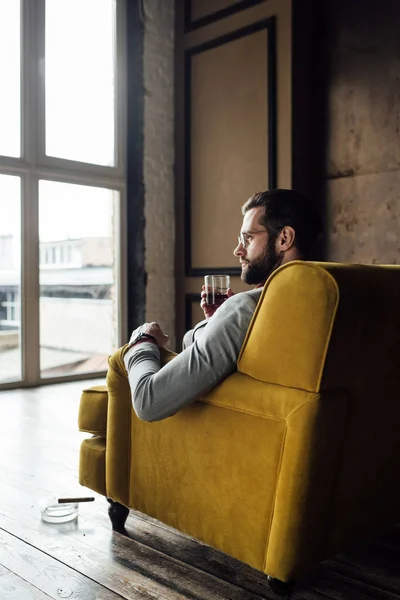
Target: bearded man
{"points": [[279, 226]]}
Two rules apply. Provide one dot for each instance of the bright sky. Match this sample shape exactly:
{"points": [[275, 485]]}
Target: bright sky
{"points": [[80, 80], [73, 211], [9, 70], [65, 211], [79, 114]]}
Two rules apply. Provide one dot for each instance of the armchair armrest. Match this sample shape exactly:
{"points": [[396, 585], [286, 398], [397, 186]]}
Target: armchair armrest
{"points": [[245, 394], [92, 418], [93, 407]]}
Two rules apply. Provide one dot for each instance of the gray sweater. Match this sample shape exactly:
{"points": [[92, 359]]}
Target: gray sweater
{"points": [[210, 353]]}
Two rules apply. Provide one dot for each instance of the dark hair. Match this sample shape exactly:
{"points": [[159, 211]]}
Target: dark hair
{"points": [[288, 207]]}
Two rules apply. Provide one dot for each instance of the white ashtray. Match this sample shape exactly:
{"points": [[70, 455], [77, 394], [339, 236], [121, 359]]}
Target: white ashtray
{"points": [[60, 510]]}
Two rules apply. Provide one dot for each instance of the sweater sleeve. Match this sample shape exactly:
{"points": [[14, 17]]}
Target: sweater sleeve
{"points": [[193, 334], [158, 393]]}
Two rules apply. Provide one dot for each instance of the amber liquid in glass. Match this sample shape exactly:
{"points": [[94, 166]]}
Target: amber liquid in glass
{"points": [[220, 298]]}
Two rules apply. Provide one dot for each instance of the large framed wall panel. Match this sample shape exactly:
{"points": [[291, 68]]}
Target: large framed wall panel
{"points": [[230, 140], [242, 76], [199, 13]]}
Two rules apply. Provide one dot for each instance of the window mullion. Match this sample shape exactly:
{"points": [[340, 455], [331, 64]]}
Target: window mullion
{"points": [[31, 32], [39, 86], [120, 234], [120, 89], [30, 281]]}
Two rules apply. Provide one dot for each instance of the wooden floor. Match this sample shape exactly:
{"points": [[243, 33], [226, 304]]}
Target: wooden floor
{"points": [[85, 560]]}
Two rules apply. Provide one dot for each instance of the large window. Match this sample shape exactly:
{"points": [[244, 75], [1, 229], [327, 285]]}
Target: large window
{"points": [[62, 188]]}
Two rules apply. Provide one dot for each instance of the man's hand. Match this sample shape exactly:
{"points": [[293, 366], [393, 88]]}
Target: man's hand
{"points": [[153, 329], [209, 309]]}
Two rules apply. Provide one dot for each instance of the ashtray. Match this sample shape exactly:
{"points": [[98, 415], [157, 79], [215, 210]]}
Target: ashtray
{"points": [[60, 510]]}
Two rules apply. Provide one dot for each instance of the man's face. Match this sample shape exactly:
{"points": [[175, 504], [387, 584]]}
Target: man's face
{"points": [[258, 256]]}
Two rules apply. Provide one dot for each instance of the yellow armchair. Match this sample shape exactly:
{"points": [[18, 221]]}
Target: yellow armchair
{"points": [[291, 458]]}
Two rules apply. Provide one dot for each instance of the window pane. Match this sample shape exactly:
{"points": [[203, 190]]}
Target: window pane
{"points": [[10, 104], [78, 309], [10, 278], [80, 49]]}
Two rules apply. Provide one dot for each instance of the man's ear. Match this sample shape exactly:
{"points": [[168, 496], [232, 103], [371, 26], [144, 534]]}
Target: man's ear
{"points": [[286, 239]]}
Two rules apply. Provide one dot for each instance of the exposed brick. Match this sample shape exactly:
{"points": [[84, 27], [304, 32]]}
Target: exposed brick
{"points": [[158, 67]]}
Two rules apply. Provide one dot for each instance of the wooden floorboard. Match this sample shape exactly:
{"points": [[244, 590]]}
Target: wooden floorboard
{"points": [[86, 560], [13, 587], [373, 564], [47, 574], [123, 559]]}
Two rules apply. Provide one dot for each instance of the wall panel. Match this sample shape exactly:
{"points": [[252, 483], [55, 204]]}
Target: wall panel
{"points": [[199, 13], [230, 140], [241, 76]]}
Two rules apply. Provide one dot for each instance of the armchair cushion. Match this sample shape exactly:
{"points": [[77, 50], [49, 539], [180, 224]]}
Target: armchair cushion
{"points": [[92, 468]]}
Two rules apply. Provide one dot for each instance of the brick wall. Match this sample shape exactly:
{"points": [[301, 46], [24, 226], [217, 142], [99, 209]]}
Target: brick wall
{"points": [[158, 68], [359, 107]]}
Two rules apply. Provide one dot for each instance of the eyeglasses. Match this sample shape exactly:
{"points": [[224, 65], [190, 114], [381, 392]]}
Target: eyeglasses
{"points": [[245, 238]]}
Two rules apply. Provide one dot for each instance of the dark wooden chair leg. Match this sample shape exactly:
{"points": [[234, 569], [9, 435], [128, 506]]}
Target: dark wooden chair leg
{"points": [[282, 588], [118, 514]]}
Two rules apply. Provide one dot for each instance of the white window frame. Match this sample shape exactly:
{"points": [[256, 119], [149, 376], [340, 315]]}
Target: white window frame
{"points": [[34, 165]]}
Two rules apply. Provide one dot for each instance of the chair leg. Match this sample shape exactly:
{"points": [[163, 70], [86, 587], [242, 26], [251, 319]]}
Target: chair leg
{"points": [[118, 514], [282, 588]]}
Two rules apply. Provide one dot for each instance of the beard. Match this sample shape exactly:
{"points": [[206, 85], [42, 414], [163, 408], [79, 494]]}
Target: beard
{"points": [[259, 269]]}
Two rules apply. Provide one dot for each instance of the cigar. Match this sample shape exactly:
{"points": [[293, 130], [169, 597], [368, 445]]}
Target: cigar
{"points": [[74, 500]]}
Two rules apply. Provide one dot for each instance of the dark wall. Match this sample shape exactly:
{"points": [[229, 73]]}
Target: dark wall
{"points": [[357, 128]]}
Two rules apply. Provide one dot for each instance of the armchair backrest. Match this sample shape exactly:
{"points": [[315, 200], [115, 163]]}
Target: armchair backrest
{"points": [[324, 325], [289, 335], [328, 326]]}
